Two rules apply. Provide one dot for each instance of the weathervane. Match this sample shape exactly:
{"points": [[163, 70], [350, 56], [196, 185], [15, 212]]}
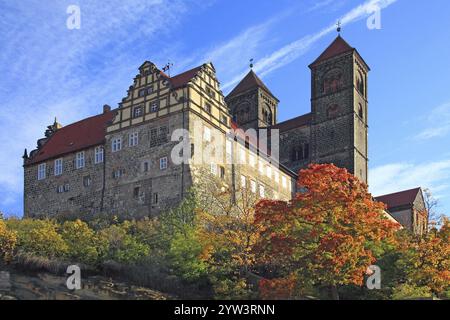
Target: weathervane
{"points": [[251, 63], [339, 25], [167, 67]]}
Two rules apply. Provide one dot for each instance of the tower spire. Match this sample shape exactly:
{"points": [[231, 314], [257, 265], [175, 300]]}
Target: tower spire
{"points": [[339, 27]]}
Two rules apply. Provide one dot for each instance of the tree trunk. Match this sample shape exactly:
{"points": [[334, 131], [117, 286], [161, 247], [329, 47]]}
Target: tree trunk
{"points": [[334, 292]]}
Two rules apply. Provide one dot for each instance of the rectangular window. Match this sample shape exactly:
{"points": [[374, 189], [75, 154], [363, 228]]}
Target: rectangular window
{"points": [[154, 107], [284, 182], [251, 160], [42, 171], [116, 144], [141, 93], [262, 192], [66, 187], [98, 155], [137, 112], [163, 163], [208, 107], [146, 166], [79, 160], [228, 150], [118, 173], [214, 168], [58, 167], [60, 189], [149, 90], [243, 182], [87, 181], [276, 176], [224, 119], [261, 167], [136, 192], [269, 171], [133, 139], [207, 134], [222, 172], [155, 198], [242, 156], [253, 186]]}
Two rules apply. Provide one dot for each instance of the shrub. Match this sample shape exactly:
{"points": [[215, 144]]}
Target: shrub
{"points": [[8, 240], [83, 243], [39, 237], [123, 247], [409, 291]]}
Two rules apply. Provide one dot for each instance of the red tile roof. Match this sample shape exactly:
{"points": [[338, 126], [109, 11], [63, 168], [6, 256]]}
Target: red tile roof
{"points": [[293, 123], [182, 79], [337, 47], [398, 199], [250, 81], [76, 136]]}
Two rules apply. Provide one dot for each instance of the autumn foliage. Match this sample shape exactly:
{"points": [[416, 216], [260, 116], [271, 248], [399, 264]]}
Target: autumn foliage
{"points": [[328, 234]]}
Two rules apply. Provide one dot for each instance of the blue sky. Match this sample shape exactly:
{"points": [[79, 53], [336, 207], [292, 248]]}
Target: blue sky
{"points": [[48, 70]]}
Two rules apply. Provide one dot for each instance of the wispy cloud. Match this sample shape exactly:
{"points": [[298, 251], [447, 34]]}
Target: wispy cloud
{"points": [[48, 70], [438, 123], [395, 177], [295, 49]]}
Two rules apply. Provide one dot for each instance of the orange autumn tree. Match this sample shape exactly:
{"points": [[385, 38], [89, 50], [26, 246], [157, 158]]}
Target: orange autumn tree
{"points": [[327, 236]]}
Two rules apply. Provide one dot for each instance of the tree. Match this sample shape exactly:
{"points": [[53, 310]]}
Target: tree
{"points": [[431, 203], [327, 236], [426, 261], [8, 240]]}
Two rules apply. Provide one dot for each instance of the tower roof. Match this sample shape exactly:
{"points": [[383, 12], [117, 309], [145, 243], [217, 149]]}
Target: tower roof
{"points": [[250, 81], [337, 47]]}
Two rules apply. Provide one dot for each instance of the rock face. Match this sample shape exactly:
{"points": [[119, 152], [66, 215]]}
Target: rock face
{"points": [[45, 286]]}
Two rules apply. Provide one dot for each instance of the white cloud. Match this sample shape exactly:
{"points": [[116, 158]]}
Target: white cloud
{"points": [[438, 123], [396, 177], [48, 70], [295, 49]]}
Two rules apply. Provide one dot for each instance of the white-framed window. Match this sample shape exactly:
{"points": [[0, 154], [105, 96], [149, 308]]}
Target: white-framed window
{"points": [[98, 155], [58, 167], [163, 163], [214, 169], [261, 167], [284, 182], [118, 173], [276, 176], [243, 181], [253, 186], [79, 162], [262, 191], [252, 160], [207, 134], [269, 171], [242, 157], [42, 168], [137, 112], [116, 144], [154, 106], [60, 189], [133, 139], [228, 150]]}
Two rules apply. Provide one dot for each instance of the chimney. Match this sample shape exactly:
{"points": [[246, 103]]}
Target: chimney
{"points": [[106, 108]]}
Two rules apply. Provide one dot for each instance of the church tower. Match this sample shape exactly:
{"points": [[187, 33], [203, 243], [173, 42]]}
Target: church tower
{"points": [[339, 109], [251, 103]]}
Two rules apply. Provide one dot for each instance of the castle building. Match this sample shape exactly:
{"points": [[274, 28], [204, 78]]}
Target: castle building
{"points": [[121, 162]]}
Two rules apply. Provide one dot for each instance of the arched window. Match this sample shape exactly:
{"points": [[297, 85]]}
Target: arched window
{"points": [[361, 111], [360, 83], [332, 81]]}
